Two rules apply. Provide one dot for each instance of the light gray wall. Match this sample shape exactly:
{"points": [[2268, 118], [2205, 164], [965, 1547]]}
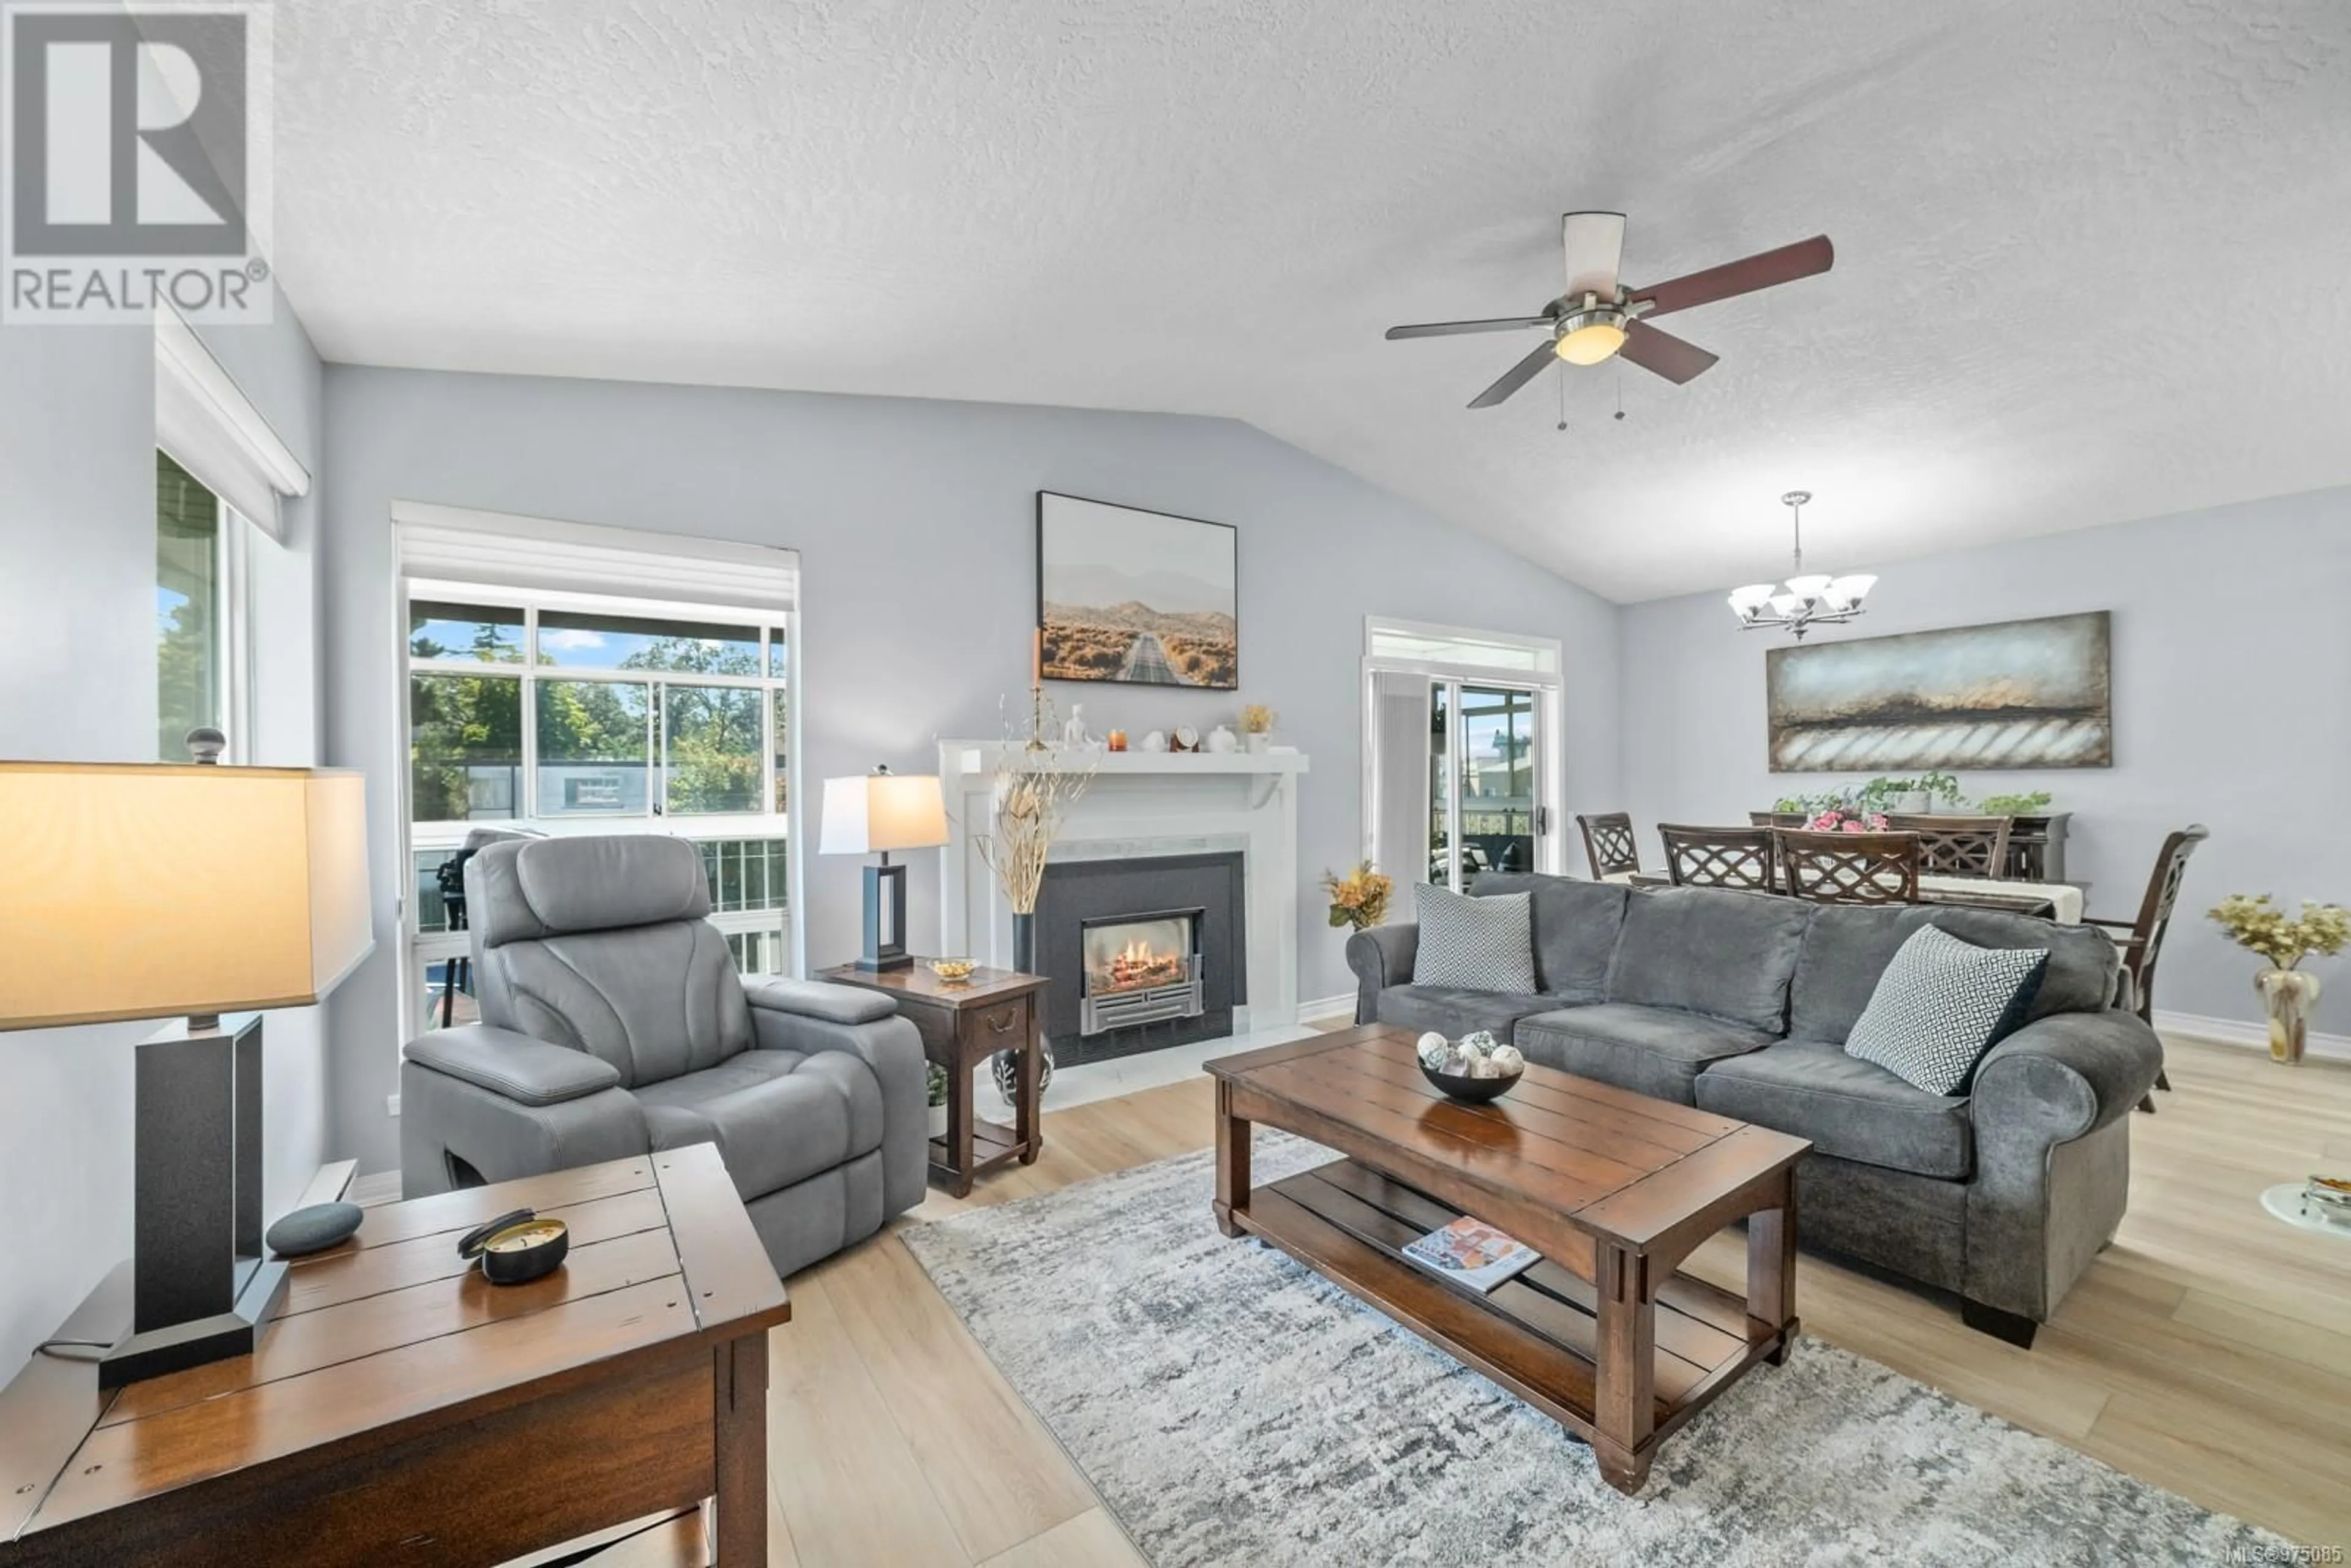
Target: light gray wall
{"points": [[77, 682], [916, 521], [2233, 708]]}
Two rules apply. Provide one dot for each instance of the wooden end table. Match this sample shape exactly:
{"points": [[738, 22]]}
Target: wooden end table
{"points": [[399, 1408], [1614, 1189], [963, 1025]]}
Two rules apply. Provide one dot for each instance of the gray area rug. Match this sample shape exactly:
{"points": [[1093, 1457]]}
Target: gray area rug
{"points": [[1232, 1406]]}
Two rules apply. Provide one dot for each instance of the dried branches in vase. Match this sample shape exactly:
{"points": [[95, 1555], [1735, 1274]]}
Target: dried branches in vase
{"points": [[1037, 780]]}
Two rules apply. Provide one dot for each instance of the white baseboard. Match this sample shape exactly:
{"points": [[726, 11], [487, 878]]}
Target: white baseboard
{"points": [[2243, 1031], [1320, 1008]]}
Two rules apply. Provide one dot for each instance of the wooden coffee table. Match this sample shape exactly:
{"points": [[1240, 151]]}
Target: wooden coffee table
{"points": [[1614, 1188]]}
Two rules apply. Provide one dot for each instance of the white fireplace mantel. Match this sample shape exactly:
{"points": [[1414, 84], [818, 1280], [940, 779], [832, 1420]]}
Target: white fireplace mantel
{"points": [[1140, 804]]}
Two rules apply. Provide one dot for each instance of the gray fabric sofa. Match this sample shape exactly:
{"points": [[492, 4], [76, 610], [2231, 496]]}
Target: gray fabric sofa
{"points": [[1739, 1003], [615, 1024]]}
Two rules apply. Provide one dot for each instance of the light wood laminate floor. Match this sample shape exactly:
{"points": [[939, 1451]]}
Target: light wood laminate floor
{"points": [[2208, 1350]]}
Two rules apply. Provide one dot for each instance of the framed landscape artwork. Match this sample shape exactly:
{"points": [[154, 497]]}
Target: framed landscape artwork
{"points": [[2019, 694], [1127, 595]]}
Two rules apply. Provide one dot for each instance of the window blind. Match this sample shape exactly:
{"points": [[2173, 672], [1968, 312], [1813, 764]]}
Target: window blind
{"points": [[454, 544]]}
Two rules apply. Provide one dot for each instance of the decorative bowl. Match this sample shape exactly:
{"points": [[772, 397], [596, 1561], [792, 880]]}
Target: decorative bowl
{"points": [[2331, 1196], [953, 971], [1473, 1090]]}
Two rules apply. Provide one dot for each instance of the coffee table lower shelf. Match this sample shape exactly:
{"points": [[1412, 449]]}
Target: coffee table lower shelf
{"points": [[1536, 1335]]}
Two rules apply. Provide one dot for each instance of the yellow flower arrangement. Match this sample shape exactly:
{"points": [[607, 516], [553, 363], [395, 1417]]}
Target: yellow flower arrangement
{"points": [[1360, 898], [1257, 719], [2260, 926]]}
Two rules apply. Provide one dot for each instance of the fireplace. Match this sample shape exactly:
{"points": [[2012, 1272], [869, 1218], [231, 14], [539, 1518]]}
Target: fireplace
{"points": [[1143, 953], [1139, 968]]}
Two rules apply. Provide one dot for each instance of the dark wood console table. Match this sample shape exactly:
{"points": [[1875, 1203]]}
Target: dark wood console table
{"points": [[963, 1024], [399, 1408]]}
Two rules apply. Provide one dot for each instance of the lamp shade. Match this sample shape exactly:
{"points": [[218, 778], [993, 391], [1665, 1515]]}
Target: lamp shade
{"points": [[137, 890], [883, 811]]}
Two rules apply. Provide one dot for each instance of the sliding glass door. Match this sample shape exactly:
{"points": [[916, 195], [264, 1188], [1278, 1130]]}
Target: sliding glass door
{"points": [[1485, 788]]}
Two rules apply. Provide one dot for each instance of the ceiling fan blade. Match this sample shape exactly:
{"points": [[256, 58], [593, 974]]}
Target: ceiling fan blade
{"points": [[1451, 329], [1663, 353], [1514, 378], [1784, 264], [1594, 243]]}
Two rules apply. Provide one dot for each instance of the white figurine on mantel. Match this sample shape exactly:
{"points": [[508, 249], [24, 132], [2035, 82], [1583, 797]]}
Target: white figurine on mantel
{"points": [[1155, 741], [1221, 740], [1074, 729]]}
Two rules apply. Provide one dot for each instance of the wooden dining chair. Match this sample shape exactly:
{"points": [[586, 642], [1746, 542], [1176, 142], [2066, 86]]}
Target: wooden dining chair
{"points": [[2141, 940], [1958, 846], [1850, 868], [1718, 857], [1608, 843]]}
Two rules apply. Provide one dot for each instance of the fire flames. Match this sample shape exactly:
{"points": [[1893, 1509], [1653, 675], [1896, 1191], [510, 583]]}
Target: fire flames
{"points": [[1138, 965]]}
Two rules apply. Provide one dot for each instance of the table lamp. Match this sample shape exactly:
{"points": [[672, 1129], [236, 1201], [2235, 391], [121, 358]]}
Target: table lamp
{"points": [[145, 889], [878, 812]]}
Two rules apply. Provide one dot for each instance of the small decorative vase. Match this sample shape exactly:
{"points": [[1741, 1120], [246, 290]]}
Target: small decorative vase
{"points": [[1257, 741], [938, 1121], [1024, 942], [2287, 994], [1005, 1068]]}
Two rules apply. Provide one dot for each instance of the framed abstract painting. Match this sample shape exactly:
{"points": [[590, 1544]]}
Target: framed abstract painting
{"points": [[1136, 596], [2017, 694]]}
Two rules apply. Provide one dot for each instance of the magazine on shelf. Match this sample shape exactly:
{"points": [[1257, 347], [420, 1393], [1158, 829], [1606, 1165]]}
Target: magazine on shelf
{"points": [[1471, 1253]]}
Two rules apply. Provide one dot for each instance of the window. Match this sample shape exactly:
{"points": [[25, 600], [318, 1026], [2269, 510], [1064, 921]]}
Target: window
{"points": [[566, 713], [198, 592], [1461, 773]]}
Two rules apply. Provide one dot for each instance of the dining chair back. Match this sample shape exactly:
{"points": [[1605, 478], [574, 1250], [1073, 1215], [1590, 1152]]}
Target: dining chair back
{"points": [[1957, 845], [1718, 857], [1608, 843], [2141, 940], [1850, 868]]}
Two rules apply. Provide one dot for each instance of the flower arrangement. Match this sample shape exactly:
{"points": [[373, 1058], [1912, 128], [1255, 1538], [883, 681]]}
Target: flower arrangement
{"points": [[2260, 926], [1360, 898], [1258, 719], [1846, 819], [2287, 992]]}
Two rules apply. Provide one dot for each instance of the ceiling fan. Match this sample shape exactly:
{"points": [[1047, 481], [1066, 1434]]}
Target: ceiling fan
{"points": [[1598, 318]]}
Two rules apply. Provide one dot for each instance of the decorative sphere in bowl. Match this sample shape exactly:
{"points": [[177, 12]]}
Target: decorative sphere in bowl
{"points": [[953, 971], [1476, 1069]]}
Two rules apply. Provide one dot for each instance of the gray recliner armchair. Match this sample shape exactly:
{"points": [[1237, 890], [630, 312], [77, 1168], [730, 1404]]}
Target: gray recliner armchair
{"points": [[615, 1024]]}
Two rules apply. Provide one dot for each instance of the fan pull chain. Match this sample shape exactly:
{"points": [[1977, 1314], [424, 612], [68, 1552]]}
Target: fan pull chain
{"points": [[1562, 379], [1620, 389]]}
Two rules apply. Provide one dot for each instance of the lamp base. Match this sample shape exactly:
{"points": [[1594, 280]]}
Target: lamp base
{"points": [[885, 919], [138, 1357]]}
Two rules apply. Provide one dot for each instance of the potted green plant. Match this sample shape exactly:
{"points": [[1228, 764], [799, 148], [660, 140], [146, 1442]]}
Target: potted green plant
{"points": [[2030, 805], [936, 1077], [2287, 990]]}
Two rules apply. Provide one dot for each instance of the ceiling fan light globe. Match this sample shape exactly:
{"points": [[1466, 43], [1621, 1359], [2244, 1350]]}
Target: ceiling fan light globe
{"points": [[1590, 344]]}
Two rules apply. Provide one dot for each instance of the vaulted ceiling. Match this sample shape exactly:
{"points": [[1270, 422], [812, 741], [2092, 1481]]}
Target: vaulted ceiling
{"points": [[2091, 256]]}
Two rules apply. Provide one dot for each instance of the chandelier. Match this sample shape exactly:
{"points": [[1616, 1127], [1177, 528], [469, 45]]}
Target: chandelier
{"points": [[1807, 599]]}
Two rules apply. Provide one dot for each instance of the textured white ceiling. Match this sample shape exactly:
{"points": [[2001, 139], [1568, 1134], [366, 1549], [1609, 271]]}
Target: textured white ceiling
{"points": [[2091, 256]]}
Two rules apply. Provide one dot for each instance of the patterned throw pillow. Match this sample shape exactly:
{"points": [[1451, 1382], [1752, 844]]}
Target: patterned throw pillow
{"points": [[1941, 1004], [1475, 944]]}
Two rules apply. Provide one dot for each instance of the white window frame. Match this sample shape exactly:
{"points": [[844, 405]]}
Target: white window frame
{"points": [[1454, 662], [233, 629], [419, 949]]}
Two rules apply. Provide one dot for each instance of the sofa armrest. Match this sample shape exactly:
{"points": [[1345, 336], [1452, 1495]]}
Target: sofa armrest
{"points": [[513, 1066], [818, 1000], [2051, 1106], [890, 1045], [2068, 1074], [1381, 957]]}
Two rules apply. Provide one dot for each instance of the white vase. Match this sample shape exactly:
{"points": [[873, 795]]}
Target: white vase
{"points": [[1258, 740], [938, 1121]]}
